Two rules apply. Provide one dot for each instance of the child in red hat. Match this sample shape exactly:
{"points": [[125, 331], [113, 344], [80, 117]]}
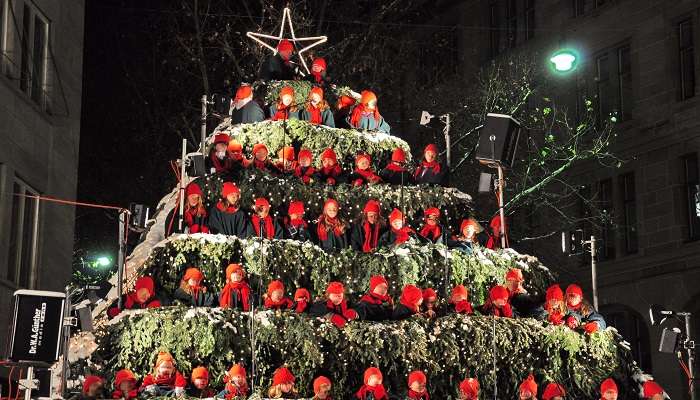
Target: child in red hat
{"points": [[219, 161], [125, 385], [409, 303], [608, 390], [581, 314], [191, 291], [497, 303], [284, 108], [286, 164], [524, 304], [302, 298], [143, 296], [430, 170], [279, 66], [429, 306], [304, 169], [373, 388], [396, 172], [555, 308], [295, 227], [528, 389], [236, 292], [275, 299], [376, 304], [235, 151], [554, 391], [335, 307], [343, 108], [165, 380], [93, 387], [417, 386], [322, 389], [432, 230], [469, 389], [261, 160], [331, 229], [652, 391], [365, 116], [319, 75], [363, 173], [262, 224], [226, 217], [194, 218], [330, 172], [316, 110], [199, 388], [365, 234], [399, 232], [243, 109], [282, 385], [236, 384], [460, 300]]}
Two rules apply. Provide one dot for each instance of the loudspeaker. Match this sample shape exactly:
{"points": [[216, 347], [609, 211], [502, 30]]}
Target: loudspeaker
{"points": [[572, 242], [195, 166], [498, 139], [139, 215], [669, 340], [221, 104], [37, 325], [485, 182]]}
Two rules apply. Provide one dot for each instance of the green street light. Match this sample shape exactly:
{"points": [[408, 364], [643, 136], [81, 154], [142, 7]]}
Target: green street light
{"points": [[564, 61], [103, 261]]}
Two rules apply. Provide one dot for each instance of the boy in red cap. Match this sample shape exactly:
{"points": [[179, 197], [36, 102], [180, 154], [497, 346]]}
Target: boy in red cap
{"points": [[528, 389], [330, 172], [165, 380], [319, 75], [322, 389], [343, 108], [365, 235], [581, 314], [460, 300], [373, 388], [335, 307], [416, 386], [191, 291], [429, 306], [555, 308], [365, 116], [194, 217], [125, 385], [93, 387], [331, 230], [652, 391], [409, 303], [236, 292], [243, 109], [235, 151], [304, 169], [236, 384], [284, 108], [262, 224], [279, 66], [469, 389], [363, 173], [302, 298], [286, 165], [608, 390], [522, 302], [432, 230], [430, 170], [376, 304], [295, 227], [226, 217], [143, 296], [316, 110], [553, 391], [275, 299], [395, 172], [497, 303], [282, 385], [219, 161], [399, 232], [261, 161], [199, 388]]}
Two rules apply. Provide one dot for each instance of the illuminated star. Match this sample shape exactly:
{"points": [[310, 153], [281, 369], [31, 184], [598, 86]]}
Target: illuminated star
{"points": [[287, 17]]}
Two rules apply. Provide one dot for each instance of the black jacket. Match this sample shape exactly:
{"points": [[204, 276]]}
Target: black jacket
{"points": [[249, 113], [402, 312], [274, 68], [228, 223], [203, 299], [371, 309], [394, 177], [333, 243], [428, 175], [278, 234], [300, 233], [529, 306], [357, 235]]}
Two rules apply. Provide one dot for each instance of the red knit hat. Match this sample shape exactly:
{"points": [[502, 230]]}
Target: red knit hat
{"points": [[330, 202], [281, 376], [90, 380], [221, 138], [335, 288], [608, 384], [236, 370], [470, 387], [361, 156], [395, 215], [410, 295], [286, 91], [234, 146], [529, 384], [372, 206], [431, 147], [372, 371], [574, 289], [319, 62], [553, 390], [193, 273], [296, 207], [651, 389], [229, 188], [429, 293], [320, 381], [262, 202], [460, 290], [145, 282], [417, 376], [515, 274], [193, 188], [285, 45], [274, 286], [346, 101], [470, 221], [398, 155], [233, 268], [316, 90], [200, 373], [259, 146], [367, 96], [122, 376], [554, 292], [286, 153], [434, 211], [375, 281], [329, 153], [243, 92], [498, 292], [306, 153], [302, 293]]}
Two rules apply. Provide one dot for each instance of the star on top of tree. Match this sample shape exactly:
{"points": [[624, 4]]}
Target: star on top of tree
{"points": [[287, 20]]}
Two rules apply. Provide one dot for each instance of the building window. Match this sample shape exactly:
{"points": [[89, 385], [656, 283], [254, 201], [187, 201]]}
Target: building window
{"points": [[607, 229], [23, 236], [579, 7], [494, 29], [529, 19], [629, 214], [686, 53], [632, 326], [691, 181], [3, 27], [624, 83], [603, 92], [34, 48], [512, 23]]}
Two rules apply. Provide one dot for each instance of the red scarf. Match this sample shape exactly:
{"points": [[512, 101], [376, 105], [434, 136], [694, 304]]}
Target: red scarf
{"points": [[463, 307], [392, 166], [333, 171], [236, 391], [371, 237], [132, 394], [556, 318], [402, 235], [321, 227], [414, 308], [418, 396], [304, 172], [172, 381], [505, 311], [227, 209], [378, 391], [317, 76], [376, 299], [235, 290], [431, 230], [220, 165], [263, 165], [269, 226], [283, 304], [367, 174], [315, 114], [297, 223], [359, 111], [281, 114], [434, 165], [190, 215]]}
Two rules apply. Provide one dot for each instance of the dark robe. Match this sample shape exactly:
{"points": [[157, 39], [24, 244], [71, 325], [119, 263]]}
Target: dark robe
{"points": [[249, 113], [275, 68], [327, 118], [393, 176], [357, 236], [253, 232], [203, 299], [372, 308], [296, 232], [430, 175], [228, 221]]}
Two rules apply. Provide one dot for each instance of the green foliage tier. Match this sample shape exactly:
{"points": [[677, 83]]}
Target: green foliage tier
{"points": [[269, 92], [306, 265], [447, 349]]}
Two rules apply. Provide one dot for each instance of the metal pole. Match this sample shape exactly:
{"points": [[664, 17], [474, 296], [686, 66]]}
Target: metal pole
{"points": [[123, 229], [66, 340], [448, 145], [500, 206], [204, 125], [30, 384], [691, 358], [182, 186], [594, 273]]}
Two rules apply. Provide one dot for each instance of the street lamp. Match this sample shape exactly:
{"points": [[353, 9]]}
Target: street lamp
{"points": [[564, 61], [103, 261]]}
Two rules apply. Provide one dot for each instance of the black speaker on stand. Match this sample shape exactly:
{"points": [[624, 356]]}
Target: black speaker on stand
{"points": [[498, 139]]}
